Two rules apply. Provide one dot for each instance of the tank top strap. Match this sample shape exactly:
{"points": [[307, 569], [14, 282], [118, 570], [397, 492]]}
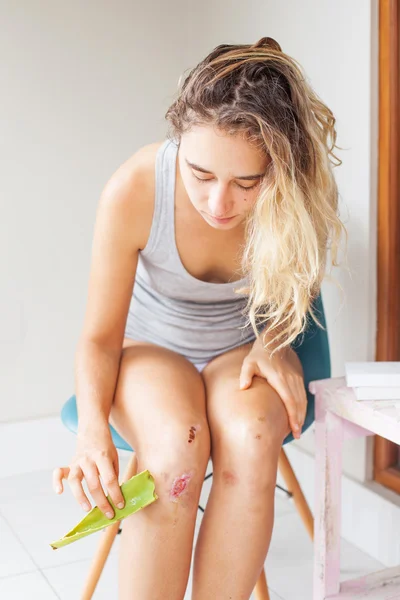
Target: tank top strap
{"points": [[161, 237]]}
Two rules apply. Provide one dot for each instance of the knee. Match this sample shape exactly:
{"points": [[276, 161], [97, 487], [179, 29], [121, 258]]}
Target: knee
{"points": [[259, 439], [178, 463], [249, 451]]}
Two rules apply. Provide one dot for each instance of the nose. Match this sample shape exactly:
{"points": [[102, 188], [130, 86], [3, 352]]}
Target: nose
{"points": [[219, 203]]}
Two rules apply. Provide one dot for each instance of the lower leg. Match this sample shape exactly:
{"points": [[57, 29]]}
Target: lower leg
{"points": [[236, 531], [247, 430], [156, 543], [159, 409]]}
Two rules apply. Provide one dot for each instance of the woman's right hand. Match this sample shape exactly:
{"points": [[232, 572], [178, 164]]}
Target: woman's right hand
{"points": [[96, 455]]}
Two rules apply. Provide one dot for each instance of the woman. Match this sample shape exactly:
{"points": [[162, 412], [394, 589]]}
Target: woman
{"points": [[221, 231]]}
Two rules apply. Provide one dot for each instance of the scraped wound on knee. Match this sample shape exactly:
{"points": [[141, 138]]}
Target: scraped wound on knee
{"points": [[179, 485], [192, 433]]}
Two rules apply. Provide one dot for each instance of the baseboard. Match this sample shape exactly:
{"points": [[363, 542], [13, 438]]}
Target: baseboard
{"points": [[370, 513]]}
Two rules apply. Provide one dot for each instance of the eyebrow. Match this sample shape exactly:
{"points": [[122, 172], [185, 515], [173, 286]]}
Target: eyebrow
{"points": [[246, 177]]}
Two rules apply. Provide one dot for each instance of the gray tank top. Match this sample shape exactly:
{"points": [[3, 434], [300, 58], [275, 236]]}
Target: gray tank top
{"points": [[170, 307]]}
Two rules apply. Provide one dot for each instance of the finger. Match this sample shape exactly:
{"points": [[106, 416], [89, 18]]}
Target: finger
{"points": [[296, 394], [287, 397], [302, 393], [246, 375], [75, 483], [58, 475], [91, 474], [110, 480], [116, 465]]}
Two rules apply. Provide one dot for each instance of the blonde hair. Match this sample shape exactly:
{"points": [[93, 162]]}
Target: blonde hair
{"points": [[261, 92]]}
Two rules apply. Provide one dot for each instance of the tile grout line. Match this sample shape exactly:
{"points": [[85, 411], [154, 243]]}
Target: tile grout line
{"points": [[38, 569], [49, 584], [275, 593], [4, 577], [71, 562], [19, 541]]}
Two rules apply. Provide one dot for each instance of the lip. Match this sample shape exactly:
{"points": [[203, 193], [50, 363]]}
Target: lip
{"points": [[220, 221]]}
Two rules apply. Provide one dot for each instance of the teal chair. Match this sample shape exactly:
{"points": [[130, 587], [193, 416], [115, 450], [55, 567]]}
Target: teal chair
{"points": [[312, 348]]}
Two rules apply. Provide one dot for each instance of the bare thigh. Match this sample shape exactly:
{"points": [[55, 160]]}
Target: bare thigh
{"points": [[159, 408], [247, 426]]}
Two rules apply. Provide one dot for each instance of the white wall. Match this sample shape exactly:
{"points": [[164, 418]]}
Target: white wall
{"points": [[84, 84], [87, 85]]}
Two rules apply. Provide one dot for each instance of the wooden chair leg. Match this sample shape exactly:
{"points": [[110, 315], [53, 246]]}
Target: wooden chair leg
{"points": [[106, 542], [261, 589], [294, 488]]}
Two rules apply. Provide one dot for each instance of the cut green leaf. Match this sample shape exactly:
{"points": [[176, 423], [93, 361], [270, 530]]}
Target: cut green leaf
{"points": [[138, 492]]}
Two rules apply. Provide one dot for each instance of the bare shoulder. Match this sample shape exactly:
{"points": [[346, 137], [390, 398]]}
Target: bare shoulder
{"points": [[128, 195]]}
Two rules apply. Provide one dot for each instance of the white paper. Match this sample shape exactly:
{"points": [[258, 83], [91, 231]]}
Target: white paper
{"points": [[373, 374]]}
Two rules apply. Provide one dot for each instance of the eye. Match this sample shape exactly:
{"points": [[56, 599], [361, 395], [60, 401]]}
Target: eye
{"points": [[248, 188], [199, 179], [242, 187]]}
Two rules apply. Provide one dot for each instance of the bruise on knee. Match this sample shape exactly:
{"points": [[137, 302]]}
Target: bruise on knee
{"points": [[192, 433], [229, 477]]}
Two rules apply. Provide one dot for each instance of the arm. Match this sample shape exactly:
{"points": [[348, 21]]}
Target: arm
{"points": [[122, 224], [123, 216]]}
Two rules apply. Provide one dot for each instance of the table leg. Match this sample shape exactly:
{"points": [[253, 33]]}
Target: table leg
{"points": [[329, 434]]}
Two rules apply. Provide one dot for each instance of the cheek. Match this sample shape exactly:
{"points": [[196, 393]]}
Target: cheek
{"points": [[196, 195], [198, 198], [246, 201]]}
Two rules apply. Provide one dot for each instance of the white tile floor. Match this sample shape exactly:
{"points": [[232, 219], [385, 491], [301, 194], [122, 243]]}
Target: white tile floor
{"points": [[32, 516]]}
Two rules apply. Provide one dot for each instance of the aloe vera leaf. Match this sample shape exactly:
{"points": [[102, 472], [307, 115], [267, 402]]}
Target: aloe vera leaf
{"points": [[138, 492]]}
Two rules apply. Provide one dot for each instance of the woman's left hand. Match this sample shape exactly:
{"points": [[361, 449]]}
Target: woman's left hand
{"points": [[284, 373]]}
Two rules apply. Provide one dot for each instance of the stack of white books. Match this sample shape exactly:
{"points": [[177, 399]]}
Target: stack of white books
{"points": [[374, 380]]}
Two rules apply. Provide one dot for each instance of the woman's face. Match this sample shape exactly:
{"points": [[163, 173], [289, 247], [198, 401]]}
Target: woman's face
{"points": [[222, 175]]}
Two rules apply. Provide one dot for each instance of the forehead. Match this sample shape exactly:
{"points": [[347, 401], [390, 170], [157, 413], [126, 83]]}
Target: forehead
{"points": [[216, 151]]}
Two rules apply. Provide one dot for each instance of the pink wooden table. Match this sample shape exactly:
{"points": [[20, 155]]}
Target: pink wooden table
{"points": [[340, 416]]}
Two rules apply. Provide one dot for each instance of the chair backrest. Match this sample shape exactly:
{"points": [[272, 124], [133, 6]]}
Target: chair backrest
{"points": [[312, 347]]}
